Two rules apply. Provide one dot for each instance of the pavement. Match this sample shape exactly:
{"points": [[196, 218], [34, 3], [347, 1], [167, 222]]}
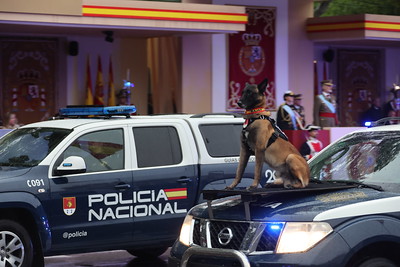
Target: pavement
{"points": [[115, 258]]}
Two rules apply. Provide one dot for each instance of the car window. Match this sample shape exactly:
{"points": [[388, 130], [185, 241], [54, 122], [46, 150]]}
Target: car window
{"points": [[222, 140], [366, 157], [27, 147], [101, 150], [157, 146]]}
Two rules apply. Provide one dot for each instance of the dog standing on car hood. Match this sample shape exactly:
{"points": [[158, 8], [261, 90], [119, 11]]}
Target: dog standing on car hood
{"points": [[262, 138]]}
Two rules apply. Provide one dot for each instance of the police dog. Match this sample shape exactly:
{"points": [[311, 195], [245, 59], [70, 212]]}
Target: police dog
{"points": [[262, 138]]}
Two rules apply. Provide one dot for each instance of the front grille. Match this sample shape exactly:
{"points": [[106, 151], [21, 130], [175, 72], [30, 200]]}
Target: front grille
{"points": [[196, 232], [238, 232], [244, 236]]}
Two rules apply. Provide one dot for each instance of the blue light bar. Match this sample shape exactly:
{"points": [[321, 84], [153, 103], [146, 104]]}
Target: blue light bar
{"points": [[97, 111]]}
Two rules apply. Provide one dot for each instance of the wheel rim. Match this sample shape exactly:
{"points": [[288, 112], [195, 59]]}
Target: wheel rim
{"points": [[12, 250]]}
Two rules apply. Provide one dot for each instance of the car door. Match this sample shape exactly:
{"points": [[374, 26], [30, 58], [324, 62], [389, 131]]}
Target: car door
{"points": [[164, 181], [93, 209]]}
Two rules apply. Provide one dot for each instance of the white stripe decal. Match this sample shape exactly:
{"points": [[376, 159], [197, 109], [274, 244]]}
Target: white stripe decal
{"points": [[378, 206]]}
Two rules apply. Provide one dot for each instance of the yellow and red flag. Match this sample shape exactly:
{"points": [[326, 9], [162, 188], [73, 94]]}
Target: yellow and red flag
{"points": [[111, 88], [89, 94], [176, 193], [99, 90]]}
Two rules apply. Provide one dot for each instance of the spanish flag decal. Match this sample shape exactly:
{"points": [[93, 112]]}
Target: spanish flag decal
{"points": [[176, 193]]}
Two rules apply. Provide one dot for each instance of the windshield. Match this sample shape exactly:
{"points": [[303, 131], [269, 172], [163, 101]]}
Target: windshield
{"points": [[371, 158], [27, 147]]}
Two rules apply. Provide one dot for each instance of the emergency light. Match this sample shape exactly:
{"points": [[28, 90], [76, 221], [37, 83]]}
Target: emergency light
{"points": [[368, 124], [97, 110]]}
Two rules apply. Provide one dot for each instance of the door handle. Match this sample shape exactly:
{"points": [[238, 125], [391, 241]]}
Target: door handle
{"points": [[184, 180], [122, 186]]}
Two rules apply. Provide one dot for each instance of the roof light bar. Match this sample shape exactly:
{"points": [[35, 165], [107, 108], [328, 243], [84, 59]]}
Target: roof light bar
{"points": [[97, 111]]}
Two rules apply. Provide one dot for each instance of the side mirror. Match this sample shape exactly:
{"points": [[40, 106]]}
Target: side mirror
{"points": [[71, 165]]}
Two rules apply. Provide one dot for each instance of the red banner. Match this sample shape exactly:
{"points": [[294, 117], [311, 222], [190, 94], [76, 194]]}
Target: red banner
{"points": [[252, 56]]}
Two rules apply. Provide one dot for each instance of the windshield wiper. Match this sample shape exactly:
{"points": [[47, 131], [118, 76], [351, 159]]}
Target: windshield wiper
{"points": [[360, 184]]}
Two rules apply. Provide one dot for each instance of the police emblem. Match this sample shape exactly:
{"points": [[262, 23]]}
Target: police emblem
{"points": [[69, 205], [251, 56]]}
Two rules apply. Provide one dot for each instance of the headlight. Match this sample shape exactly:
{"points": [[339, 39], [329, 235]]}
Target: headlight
{"points": [[186, 231], [299, 237]]}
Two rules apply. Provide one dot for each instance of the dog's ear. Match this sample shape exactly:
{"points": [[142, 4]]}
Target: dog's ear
{"points": [[262, 87]]}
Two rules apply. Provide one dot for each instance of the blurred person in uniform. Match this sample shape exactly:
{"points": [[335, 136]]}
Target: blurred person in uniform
{"points": [[374, 113], [392, 114], [300, 110], [325, 106], [393, 104], [286, 114], [312, 146], [124, 97]]}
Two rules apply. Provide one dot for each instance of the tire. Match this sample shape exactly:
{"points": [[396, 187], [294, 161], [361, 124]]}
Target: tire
{"points": [[377, 262], [148, 253], [16, 249]]}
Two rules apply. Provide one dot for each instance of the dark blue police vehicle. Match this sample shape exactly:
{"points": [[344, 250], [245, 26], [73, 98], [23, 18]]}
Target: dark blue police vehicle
{"points": [[348, 216], [90, 183]]}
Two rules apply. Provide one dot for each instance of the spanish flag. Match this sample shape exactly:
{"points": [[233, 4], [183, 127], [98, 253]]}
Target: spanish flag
{"points": [[89, 94], [111, 88], [176, 193], [99, 91]]}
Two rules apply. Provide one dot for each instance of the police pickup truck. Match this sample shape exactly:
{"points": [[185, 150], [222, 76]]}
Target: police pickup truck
{"points": [[349, 215], [85, 183]]}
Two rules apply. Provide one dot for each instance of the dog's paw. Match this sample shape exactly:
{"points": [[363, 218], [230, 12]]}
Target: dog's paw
{"points": [[229, 188], [252, 187]]}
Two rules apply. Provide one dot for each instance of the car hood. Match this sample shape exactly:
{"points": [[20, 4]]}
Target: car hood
{"points": [[292, 205], [11, 172]]}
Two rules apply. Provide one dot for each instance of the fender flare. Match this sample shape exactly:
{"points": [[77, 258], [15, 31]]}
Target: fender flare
{"points": [[364, 231], [29, 202]]}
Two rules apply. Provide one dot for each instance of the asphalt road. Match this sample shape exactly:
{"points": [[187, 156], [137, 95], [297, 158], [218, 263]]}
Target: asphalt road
{"points": [[115, 258]]}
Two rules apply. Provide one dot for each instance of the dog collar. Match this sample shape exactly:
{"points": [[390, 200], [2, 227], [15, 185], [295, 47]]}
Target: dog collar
{"points": [[254, 111]]}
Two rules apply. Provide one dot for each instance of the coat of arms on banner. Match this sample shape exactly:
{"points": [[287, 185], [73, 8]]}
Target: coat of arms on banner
{"points": [[69, 205], [252, 56]]}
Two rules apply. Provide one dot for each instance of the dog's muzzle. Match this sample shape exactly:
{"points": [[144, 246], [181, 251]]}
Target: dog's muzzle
{"points": [[240, 104]]}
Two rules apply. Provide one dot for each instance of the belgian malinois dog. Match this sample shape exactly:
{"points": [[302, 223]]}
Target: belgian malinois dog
{"points": [[263, 138]]}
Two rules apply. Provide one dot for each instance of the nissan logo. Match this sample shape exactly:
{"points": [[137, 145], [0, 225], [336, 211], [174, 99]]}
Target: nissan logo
{"points": [[225, 236]]}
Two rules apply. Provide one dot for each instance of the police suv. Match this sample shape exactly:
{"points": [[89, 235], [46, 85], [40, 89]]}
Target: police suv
{"points": [[348, 216], [85, 183]]}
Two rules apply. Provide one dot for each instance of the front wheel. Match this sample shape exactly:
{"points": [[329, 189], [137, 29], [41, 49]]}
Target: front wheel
{"points": [[147, 253], [377, 262], [16, 249]]}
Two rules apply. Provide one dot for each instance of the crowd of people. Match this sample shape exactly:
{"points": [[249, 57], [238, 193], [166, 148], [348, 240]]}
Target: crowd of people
{"points": [[290, 114]]}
